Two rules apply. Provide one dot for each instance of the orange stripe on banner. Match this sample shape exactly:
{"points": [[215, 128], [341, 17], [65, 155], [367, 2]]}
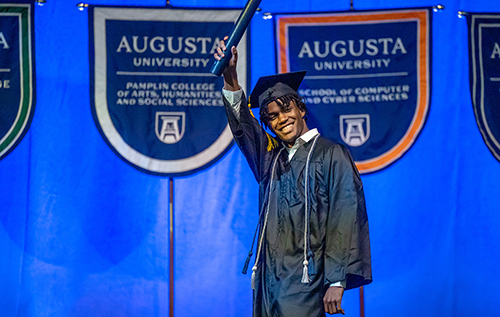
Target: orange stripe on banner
{"points": [[421, 111]]}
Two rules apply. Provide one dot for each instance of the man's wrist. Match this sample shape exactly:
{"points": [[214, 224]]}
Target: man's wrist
{"points": [[338, 284], [231, 81]]}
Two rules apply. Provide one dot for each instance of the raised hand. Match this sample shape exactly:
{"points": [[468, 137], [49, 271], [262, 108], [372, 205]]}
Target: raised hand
{"points": [[230, 74]]}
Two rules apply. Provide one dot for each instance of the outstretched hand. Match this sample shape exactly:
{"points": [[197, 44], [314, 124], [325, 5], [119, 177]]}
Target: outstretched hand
{"points": [[333, 299], [230, 75]]}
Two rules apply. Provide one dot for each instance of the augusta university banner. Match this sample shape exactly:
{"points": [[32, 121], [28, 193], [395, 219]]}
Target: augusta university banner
{"points": [[484, 69], [368, 77], [17, 74], [154, 99]]}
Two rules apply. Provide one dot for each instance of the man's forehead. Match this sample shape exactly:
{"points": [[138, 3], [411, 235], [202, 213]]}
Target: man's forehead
{"points": [[278, 105]]}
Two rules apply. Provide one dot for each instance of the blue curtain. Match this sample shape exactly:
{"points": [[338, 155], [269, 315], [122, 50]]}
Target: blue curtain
{"points": [[84, 234]]}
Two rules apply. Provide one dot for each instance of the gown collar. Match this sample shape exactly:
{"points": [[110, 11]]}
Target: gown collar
{"points": [[304, 138]]}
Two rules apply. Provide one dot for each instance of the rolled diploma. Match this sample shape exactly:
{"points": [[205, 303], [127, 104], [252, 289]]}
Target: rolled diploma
{"points": [[236, 34]]}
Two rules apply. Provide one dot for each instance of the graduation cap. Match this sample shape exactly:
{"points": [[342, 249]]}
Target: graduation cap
{"points": [[271, 87]]}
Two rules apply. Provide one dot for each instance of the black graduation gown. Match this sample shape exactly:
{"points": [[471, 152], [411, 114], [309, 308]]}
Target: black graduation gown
{"points": [[338, 224]]}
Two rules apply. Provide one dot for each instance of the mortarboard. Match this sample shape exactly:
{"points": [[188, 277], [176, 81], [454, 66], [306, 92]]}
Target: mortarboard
{"points": [[275, 86]]}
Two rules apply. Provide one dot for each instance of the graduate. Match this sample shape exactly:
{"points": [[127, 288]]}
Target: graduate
{"points": [[313, 241]]}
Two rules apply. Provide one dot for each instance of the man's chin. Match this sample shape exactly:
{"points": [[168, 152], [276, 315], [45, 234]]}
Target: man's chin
{"points": [[288, 141]]}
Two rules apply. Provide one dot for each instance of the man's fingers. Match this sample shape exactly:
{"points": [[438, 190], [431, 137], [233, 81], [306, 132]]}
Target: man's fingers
{"points": [[220, 51], [234, 59], [339, 309], [218, 56], [222, 47], [331, 308], [223, 43], [327, 306], [332, 300], [328, 309]]}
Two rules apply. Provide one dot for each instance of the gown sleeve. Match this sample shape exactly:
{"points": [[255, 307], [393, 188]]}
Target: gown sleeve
{"points": [[347, 249], [256, 144]]}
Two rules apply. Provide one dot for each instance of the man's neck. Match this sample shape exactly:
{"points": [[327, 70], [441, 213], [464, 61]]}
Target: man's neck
{"points": [[313, 132], [304, 138], [290, 144]]}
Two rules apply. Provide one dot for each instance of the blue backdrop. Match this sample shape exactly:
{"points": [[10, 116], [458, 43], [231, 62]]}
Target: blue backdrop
{"points": [[84, 234]]}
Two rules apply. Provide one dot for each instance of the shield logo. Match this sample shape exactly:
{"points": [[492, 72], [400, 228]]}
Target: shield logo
{"points": [[17, 85], [484, 72], [169, 126], [355, 129]]}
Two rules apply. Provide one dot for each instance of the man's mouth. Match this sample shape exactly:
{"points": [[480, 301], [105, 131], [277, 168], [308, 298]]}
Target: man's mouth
{"points": [[287, 128]]}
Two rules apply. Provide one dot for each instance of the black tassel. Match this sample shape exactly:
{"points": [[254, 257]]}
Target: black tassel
{"points": [[311, 267], [245, 267]]}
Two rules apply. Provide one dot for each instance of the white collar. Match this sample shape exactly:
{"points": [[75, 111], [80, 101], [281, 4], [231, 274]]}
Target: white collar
{"points": [[308, 136], [304, 138]]}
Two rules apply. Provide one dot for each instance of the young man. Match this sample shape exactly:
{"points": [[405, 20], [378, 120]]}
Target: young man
{"points": [[313, 240]]}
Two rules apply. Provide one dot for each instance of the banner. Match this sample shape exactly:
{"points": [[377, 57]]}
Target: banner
{"points": [[17, 74], [484, 75], [154, 100], [368, 77]]}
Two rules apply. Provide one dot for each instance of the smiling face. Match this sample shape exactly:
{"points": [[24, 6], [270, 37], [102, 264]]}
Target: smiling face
{"points": [[286, 122]]}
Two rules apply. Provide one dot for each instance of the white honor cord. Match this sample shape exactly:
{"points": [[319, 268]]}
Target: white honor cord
{"points": [[263, 230], [305, 273]]}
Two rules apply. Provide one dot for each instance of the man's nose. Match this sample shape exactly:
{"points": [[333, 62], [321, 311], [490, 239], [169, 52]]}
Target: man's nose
{"points": [[282, 117]]}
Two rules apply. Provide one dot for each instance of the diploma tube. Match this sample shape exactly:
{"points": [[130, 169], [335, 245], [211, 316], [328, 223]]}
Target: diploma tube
{"points": [[239, 28]]}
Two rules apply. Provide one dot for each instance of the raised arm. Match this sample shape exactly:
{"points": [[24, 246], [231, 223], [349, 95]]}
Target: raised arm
{"points": [[230, 74], [256, 144]]}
